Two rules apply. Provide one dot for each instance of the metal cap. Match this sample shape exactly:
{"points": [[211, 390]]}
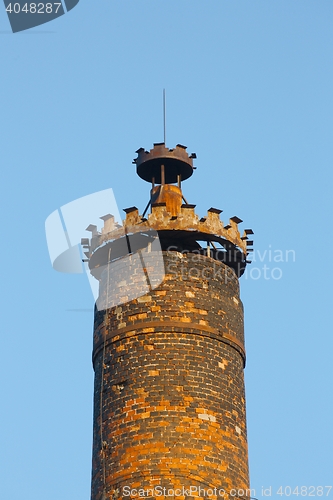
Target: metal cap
{"points": [[176, 162]]}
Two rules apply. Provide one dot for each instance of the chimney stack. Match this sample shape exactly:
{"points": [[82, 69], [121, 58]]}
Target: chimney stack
{"points": [[168, 355]]}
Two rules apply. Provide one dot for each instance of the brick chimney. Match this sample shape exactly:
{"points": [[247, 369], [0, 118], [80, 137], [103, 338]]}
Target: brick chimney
{"points": [[168, 355]]}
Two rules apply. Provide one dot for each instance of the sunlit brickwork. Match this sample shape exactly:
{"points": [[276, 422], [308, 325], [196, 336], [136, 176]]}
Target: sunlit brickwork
{"points": [[173, 401]]}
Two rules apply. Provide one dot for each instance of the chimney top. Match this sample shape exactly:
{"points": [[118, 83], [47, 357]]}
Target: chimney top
{"points": [[176, 163]]}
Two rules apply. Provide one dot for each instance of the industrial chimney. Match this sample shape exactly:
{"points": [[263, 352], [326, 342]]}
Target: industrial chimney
{"points": [[168, 354]]}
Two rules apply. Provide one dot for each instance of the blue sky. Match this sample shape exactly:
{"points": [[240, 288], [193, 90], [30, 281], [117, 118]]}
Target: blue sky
{"points": [[249, 89]]}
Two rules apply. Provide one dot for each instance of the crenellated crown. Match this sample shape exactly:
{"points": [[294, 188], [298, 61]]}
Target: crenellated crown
{"points": [[178, 227]]}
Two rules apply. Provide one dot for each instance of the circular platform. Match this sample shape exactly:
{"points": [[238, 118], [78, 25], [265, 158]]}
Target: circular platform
{"points": [[176, 163]]}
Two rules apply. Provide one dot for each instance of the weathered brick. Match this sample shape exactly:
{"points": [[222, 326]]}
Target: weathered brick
{"points": [[177, 413]]}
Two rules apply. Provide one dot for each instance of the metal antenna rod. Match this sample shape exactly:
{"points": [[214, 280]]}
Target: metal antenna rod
{"points": [[164, 114]]}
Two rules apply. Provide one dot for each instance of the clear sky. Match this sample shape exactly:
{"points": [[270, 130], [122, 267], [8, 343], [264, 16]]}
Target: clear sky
{"points": [[249, 89]]}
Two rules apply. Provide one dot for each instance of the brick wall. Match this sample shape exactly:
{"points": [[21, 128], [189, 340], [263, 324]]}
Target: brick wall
{"points": [[173, 402]]}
